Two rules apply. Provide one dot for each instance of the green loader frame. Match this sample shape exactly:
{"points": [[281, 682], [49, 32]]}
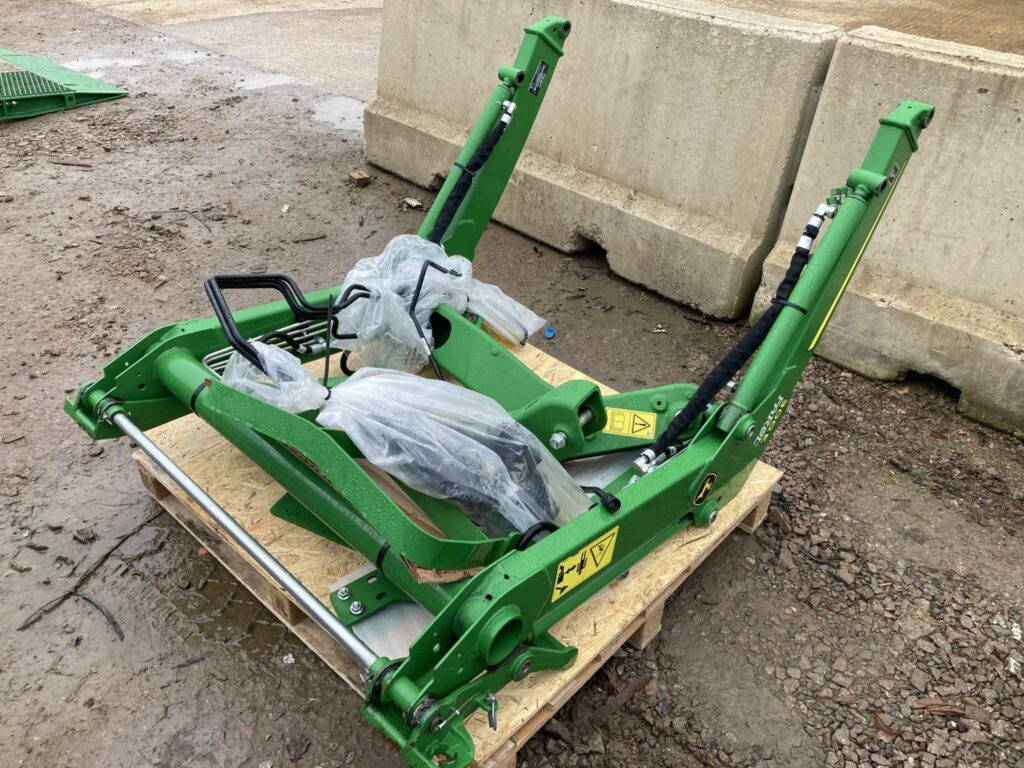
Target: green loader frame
{"points": [[692, 450]]}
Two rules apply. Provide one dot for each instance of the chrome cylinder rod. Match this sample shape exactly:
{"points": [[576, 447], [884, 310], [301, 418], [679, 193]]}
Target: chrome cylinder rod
{"points": [[306, 599]]}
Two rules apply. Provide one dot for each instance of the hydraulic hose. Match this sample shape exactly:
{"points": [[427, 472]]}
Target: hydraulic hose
{"points": [[740, 354], [465, 181]]}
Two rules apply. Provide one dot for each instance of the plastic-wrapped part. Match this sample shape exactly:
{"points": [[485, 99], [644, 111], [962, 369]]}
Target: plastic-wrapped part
{"points": [[455, 444], [285, 384], [386, 336], [503, 314]]}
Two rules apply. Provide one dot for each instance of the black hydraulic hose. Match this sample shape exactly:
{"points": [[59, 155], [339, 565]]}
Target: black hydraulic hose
{"points": [[465, 181], [530, 534], [287, 338], [607, 500], [738, 356]]}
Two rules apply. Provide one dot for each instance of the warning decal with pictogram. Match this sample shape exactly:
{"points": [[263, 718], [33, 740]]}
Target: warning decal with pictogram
{"points": [[638, 424], [574, 570]]}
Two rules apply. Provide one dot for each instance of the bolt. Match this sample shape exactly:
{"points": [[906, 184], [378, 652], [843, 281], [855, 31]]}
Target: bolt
{"points": [[751, 431], [712, 516], [557, 441], [523, 670], [492, 711], [343, 593], [356, 608]]}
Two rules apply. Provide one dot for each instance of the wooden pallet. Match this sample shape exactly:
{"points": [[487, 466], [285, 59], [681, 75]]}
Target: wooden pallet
{"points": [[629, 610]]}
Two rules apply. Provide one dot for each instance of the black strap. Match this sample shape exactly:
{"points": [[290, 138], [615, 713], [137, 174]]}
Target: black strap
{"points": [[533, 532], [200, 388], [790, 304], [378, 562]]}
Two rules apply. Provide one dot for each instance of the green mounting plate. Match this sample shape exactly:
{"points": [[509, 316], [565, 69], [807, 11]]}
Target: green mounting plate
{"points": [[289, 508], [370, 592], [32, 85]]}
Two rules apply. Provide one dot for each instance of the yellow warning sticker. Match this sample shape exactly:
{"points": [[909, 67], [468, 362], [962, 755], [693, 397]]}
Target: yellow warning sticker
{"points": [[574, 570], [638, 424]]}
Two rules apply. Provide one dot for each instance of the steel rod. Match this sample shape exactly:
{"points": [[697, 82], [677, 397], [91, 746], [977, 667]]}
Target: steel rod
{"points": [[306, 599]]}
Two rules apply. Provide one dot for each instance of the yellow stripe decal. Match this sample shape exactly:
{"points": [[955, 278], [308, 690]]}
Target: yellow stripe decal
{"points": [[856, 261]]}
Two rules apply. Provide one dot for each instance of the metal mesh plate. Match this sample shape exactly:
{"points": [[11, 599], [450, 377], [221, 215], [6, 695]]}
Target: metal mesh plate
{"points": [[21, 84], [32, 85]]}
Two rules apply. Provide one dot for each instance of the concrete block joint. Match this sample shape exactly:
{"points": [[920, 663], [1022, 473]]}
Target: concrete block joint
{"points": [[664, 139]]}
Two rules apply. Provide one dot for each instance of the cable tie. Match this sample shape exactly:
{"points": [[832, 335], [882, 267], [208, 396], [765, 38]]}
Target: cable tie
{"points": [[464, 169], [195, 395], [378, 562], [784, 303]]}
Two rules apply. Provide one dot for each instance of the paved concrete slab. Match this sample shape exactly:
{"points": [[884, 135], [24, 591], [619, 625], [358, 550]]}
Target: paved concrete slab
{"points": [[163, 12], [331, 43], [941, 289], [669, 137]]}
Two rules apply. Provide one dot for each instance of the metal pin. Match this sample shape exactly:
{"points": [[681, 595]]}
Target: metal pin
{"points": [[492, 711]]}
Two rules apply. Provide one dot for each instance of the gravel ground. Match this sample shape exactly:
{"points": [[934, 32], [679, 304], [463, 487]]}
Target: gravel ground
{"points": [[873, 620]]}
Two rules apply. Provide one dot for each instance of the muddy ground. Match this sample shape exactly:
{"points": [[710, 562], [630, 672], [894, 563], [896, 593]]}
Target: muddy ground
{"points": [[875, 621]]}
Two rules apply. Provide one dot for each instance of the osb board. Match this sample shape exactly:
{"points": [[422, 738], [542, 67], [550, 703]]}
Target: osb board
{"points": [[247, 493]]}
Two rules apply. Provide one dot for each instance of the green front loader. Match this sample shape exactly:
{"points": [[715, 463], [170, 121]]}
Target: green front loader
{"points": [[680, 452]]}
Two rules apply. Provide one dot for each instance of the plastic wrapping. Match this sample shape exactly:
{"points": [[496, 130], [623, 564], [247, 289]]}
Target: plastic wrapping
{"points": [[386, 334], [505, 316], [286, 383], [455, 444]]}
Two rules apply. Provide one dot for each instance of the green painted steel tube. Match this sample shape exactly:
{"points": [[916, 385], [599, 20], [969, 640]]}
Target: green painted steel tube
{"points": [[761, 377], [791, 341], [524, 85], [484, 124]]}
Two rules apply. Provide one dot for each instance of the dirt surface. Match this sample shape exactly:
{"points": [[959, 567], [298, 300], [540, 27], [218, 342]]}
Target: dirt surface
{"points": [[876, 621]]}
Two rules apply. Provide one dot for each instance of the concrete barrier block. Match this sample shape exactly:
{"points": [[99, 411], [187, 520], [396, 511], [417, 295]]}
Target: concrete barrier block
{"points": [[940, 290], [670, 136]]}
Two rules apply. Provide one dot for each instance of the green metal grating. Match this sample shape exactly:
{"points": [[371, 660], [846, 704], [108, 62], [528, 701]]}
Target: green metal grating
{"points": [[32, 85]]}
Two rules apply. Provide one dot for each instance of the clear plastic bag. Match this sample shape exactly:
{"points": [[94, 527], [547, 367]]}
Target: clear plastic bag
{"points": [[285, 384], [505, 316], [455, 444], [386, 336]]}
